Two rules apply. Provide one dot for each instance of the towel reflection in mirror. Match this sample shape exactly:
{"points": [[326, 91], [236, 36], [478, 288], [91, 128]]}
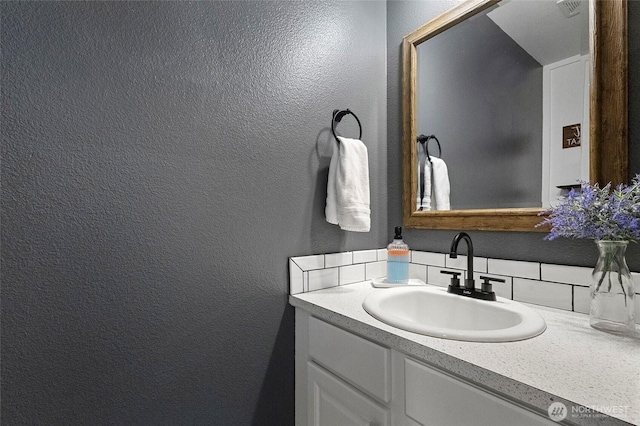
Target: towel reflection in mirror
{"points": [[434, 188]]}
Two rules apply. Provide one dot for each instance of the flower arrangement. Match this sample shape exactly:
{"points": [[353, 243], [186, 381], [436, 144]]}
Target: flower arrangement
{"points": [[597, 213], [612, 218]]}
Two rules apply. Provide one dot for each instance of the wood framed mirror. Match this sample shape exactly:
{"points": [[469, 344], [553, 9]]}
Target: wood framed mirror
{"points": [[607, 109]]}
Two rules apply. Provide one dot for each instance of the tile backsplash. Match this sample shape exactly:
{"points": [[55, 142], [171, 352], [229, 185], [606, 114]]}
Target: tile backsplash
{"points": [[556, 286], [309, 273]]}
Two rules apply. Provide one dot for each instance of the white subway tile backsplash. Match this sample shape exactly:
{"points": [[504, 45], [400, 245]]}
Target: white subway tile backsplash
{"points": [[418, 271], [514, 268], [581, 299], [543, 293], [436, 277], [375, 270], [296, 278], [566, 274], [382, 254], [479, 263], [323, 278], [352, 274], [556, 286], [338, 259], [459, 262], [363, 256], [427, 258], [504, 289], [308, 263], [636, 281]]}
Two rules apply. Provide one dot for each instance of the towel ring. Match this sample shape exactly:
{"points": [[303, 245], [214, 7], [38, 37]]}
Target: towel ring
{"points": [[425, 141], [337, 116]]}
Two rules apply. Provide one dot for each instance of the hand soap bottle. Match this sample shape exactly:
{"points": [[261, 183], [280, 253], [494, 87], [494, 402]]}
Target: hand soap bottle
{"points": [[398, 260]]}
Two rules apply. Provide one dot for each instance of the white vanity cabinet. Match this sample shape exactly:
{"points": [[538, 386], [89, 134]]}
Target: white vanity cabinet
{"points": [[343, 379], [348, 378]]}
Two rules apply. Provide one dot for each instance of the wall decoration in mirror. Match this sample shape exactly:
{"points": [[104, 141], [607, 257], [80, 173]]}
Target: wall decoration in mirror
{"points": [[527, 97]]}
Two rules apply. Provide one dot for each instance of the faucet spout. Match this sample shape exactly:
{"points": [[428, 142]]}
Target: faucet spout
{"points": [[469, 283]]}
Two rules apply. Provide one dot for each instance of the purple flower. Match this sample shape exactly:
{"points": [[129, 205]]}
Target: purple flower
{"points": [[597, 213]]}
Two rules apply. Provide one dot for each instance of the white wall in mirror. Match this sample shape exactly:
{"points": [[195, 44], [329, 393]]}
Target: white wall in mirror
{"points": [[565, 143], [556, 34]]}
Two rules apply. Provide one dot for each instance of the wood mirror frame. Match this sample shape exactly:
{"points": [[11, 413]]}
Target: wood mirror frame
{"points": [[608, 117]]}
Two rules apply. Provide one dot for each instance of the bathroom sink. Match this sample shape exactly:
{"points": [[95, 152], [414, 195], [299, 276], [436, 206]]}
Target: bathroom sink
{"points": [[433, 312]]}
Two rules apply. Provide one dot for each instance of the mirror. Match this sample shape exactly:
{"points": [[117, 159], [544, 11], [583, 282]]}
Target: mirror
{"points": [[517, 156]]}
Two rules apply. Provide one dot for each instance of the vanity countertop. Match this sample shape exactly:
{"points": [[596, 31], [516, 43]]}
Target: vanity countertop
{"points": [[570, 362]]}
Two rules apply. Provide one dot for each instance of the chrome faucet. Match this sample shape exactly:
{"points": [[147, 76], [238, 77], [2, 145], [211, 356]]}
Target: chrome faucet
{"points": [[469, 283], [469, 289]]}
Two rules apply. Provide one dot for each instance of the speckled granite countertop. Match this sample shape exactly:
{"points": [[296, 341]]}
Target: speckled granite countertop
{"points": [[570, 362]]}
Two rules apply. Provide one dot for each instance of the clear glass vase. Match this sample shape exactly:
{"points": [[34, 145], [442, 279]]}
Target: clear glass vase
{"points": [[612, 292]]}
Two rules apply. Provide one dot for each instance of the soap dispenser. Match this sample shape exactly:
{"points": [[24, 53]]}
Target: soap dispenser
{"points": [[398, 260]]}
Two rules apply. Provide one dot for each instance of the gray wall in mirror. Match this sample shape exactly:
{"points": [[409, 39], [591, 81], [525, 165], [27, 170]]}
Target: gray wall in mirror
{"points": [[404, 17], [480, 93]]}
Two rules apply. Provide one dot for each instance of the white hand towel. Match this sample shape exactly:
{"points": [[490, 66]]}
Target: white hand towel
{"points": [[440, 186], [437, 189], [331, 210], [348, 186], [425, 201]]}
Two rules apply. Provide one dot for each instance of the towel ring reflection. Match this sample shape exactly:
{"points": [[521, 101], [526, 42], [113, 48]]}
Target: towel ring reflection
{"points": [[337, 116], [424, 140]]}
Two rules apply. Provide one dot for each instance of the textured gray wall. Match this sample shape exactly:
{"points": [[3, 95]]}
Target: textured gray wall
{"points": [[484, 104], [402, 18], [160, 162]]}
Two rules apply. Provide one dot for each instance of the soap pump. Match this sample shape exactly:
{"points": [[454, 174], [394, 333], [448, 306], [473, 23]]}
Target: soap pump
{"points": [[398, 259]]}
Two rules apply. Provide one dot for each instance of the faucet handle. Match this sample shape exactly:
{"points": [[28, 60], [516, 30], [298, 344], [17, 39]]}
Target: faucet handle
{"points": [[455, 277], [486, 282]]}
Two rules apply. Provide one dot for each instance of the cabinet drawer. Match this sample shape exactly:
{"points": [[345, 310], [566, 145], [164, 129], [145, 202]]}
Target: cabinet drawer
{"points": [[357, 360], [434, 398]]}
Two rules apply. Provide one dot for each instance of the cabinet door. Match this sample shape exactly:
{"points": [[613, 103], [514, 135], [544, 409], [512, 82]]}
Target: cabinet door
{"points": [[437, 399], [331, 402]]}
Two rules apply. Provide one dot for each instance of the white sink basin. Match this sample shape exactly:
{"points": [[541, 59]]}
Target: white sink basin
{"points": [[434, 312]]}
